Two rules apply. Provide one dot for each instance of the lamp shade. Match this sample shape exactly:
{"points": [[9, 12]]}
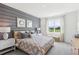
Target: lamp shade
{"points": [[38, 29], [4, 29]]}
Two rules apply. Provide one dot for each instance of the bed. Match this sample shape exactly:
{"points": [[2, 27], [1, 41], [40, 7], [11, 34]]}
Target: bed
{"points": [[36, 45]]}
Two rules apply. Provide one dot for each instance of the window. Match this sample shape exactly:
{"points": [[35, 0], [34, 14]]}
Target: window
{"points": [[57, 26], [54, 25], [51, 25]]}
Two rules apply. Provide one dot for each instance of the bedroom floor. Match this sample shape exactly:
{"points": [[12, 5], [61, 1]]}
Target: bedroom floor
{"points": [[58, 49]]}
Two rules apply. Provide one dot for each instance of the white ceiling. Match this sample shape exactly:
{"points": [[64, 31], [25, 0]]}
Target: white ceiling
{"points": [[45, 9]]}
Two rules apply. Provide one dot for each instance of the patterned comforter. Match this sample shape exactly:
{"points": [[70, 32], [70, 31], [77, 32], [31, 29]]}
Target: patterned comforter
{"points": [[37, 45]]}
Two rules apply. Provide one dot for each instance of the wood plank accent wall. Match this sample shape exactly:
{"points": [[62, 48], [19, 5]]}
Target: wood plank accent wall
{"points": [[6, 21], [8, 17]]}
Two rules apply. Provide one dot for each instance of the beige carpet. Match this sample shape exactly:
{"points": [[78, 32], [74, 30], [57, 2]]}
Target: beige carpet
{"points": [[58, 49]]}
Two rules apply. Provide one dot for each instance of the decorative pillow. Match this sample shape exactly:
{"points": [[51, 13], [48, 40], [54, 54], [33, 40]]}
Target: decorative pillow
{"points": [[17, 35], [29, 35], [1, 36], [25, 35], [5, 36], [9, 35]]}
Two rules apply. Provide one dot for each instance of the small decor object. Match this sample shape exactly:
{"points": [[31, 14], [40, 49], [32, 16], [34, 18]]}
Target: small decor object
{"points": [[29, 23], [20, 22], [38, 29], [5, 36], [5, 31], [77, 36]]}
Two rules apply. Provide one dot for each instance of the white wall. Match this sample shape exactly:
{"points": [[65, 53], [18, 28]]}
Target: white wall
{"points": [[78, 22], [70, 26]]}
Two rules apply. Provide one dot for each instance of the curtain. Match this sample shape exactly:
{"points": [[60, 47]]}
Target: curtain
{"points": [[51, 22]]}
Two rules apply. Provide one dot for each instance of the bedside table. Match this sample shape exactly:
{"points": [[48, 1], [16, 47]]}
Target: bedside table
{"points": [[75, 44], [6, 45]]}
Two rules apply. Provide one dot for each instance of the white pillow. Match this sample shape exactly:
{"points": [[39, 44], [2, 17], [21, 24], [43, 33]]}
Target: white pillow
{"points": [[5, 36], [40, 34]]}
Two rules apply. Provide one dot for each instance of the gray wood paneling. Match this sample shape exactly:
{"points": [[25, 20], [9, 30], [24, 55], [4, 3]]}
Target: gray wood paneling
{"points": [[11, 14]]}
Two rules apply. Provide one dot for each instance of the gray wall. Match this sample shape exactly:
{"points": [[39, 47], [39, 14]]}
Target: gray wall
{"points": [[12, 14], [70, 26]]}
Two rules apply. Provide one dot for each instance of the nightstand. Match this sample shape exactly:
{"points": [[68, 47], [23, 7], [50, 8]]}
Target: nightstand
{"points": [[6, 45], [75, 45]]}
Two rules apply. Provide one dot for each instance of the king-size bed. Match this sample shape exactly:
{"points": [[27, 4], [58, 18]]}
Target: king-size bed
{"points": [[36, 45]]}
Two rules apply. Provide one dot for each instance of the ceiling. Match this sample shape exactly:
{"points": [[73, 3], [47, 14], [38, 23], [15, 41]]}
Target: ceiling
{"points": [[45, 9]]}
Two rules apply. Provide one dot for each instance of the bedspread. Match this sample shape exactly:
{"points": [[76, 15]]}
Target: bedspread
{"points": [[35, 46]]}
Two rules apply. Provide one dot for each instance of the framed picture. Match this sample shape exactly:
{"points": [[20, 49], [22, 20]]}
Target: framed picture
{"points": [[29, 23], [20, 22]]}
